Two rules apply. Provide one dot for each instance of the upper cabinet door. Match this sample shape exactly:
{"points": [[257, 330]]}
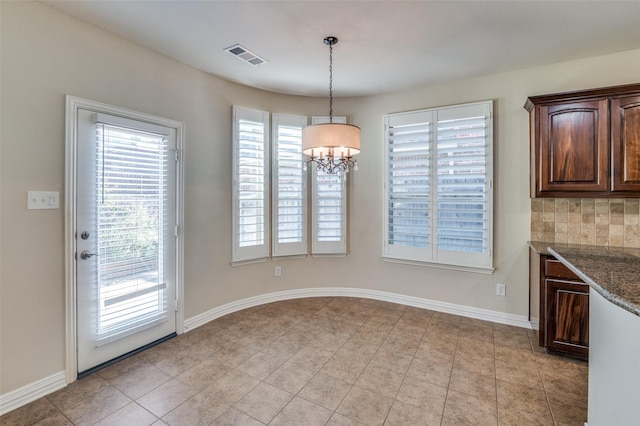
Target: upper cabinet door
{"points": [[574, 147], [625, 138]]}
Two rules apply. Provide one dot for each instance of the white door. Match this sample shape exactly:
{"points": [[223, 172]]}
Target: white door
{"points": [[125, 235]]}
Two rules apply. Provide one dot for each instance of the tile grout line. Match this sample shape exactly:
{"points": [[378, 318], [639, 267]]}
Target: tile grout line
{"points": [[446, 396], [544, 388], [406, 373], [495, 374]]}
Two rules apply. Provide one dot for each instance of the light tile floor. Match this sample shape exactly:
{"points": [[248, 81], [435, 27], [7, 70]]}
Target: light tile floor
{"points": [[329, 361]]}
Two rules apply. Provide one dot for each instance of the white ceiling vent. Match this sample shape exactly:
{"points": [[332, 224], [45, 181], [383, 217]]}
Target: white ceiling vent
{"points": [[245, 55]]}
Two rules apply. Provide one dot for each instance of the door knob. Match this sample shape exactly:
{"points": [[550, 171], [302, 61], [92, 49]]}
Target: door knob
{"points": [[86, 255]]}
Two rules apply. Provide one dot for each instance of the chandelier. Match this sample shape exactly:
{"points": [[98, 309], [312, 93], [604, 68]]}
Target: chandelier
{"points": [[331, 146]]}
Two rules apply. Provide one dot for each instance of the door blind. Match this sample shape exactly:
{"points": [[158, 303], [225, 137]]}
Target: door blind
{"points": [[131, 215]]}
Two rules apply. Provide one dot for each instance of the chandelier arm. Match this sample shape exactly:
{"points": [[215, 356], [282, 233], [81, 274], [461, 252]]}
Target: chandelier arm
{"points": [[331, 165]]}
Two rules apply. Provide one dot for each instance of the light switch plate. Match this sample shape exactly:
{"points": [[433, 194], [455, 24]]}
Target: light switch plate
{"points": [[37, 200]]}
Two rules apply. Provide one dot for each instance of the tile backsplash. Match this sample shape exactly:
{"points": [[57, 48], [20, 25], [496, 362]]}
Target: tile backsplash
{"points": [[600, 222]]}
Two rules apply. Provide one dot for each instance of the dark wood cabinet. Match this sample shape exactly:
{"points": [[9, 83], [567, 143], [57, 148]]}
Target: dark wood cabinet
{"points": [[574, 147], [586, 144], [567, 306], [625, 136], [563, 308]]}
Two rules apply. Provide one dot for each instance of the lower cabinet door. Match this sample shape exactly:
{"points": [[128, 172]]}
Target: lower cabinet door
{"points": [[568, 316]]}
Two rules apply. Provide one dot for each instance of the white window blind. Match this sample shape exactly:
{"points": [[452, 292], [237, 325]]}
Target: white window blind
{"points": [[289, 186], [132, 219], [250, 200], [329, 207], [438, 189]]}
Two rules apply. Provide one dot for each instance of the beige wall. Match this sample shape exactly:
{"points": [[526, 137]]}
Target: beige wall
{"points": [[46, 54]]}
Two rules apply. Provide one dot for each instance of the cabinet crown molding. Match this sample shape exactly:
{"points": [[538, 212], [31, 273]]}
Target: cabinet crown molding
{"points": [[580, 95]]}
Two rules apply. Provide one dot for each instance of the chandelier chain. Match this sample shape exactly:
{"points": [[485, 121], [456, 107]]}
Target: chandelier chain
{"points": [[330, 82]]}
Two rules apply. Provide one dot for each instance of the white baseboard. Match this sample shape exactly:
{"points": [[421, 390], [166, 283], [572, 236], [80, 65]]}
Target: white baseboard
{"points": [[434, 305], [535, 324], [29, 393], [238, 305]]}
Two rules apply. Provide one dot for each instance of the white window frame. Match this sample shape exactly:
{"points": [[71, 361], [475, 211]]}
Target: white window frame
{"points": [[257, 252], [296, 248], [337, 248], [431, 255]]}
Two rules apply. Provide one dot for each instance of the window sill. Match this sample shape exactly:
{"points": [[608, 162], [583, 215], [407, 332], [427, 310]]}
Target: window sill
{"points": [[248, 262], [329, 254], [475, 269], [288, 256]]}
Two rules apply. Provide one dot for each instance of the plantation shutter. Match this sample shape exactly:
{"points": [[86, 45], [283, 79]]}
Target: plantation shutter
{"points": [[464, 183], [438, 186], [408, 202], [250, 200], [132, 216], [289, 186], [329, 207]]}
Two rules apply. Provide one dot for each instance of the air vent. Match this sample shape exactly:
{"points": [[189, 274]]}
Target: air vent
{"points": [[245, 55]]}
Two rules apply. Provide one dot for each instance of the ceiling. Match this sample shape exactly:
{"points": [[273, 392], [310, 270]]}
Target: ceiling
{"points": [[384, 46]]}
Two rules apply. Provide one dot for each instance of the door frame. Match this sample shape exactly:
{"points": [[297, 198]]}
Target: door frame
{"points": [[71, 140]]}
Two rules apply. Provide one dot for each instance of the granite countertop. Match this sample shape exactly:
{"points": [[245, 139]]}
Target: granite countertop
{"points": [[540, 247], [614, 272]]}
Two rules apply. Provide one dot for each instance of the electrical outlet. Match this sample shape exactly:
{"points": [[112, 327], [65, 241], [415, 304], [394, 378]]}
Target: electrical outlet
{"points": [[501, 289], [278, 271]]}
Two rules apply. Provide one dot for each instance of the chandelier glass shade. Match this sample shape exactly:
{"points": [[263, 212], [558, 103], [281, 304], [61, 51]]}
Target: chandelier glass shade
{"points": [[331, 146]]}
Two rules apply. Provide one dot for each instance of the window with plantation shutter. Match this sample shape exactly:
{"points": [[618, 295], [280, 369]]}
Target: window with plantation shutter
{"points": [[289, 186], [275, 223], [438, 187], [250, 200], [329, 208]]}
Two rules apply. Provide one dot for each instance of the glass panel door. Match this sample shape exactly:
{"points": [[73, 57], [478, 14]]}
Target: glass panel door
{"points": [[126, 242]]}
